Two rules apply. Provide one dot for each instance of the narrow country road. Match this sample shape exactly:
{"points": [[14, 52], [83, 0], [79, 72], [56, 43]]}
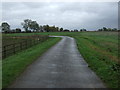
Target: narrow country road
{"points": [[61, 66]]}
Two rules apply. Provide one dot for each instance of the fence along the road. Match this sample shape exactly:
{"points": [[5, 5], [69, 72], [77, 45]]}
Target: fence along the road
{"points": [[11, 49]]}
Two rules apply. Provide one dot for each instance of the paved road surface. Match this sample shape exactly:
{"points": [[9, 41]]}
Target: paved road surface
{"points": [[62, 66]]}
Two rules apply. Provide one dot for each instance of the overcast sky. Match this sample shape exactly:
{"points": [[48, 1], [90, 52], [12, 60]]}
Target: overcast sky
{"points": [[69, 15]]}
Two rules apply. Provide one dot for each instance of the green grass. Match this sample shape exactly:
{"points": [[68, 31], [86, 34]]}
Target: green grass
{"points": [[14, 44], [17, 38], [100, 50], [14, 65], [100, 60], [0, 74]]}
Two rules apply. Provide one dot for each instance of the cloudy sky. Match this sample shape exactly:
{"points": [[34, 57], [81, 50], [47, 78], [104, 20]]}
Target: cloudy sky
{"points": [[69, 15]]}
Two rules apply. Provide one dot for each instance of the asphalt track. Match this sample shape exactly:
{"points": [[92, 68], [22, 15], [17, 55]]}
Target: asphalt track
{"points": [[62, 66]]}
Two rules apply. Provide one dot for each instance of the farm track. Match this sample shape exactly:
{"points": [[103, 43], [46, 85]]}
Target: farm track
{"points": [[62, 66]]}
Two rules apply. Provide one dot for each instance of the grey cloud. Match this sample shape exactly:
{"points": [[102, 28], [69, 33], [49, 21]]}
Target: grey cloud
{"points": [[89, 15]]}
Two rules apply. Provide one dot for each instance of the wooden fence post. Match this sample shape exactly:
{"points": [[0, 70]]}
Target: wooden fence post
{"points": [[21, 46], [4, 48], [26, 43], [30, 43], [14, 48], [34, 41]]}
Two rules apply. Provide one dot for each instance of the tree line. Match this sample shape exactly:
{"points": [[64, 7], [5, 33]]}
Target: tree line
{"points": [[32, 26], [108, 29]]}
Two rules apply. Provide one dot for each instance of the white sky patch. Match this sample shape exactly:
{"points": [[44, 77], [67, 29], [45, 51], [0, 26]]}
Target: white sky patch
{"points": [[60, 1], [69, 15]]}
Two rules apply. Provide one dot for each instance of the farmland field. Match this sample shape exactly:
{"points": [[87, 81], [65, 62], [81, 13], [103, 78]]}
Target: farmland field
{"points": [[12, 38]]}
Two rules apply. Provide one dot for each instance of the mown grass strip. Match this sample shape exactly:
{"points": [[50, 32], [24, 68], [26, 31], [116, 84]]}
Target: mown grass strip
{"points": [[14, 65]]}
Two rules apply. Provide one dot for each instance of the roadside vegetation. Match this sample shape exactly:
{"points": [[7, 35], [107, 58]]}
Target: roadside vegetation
{"points": [[14, 44], [100, 50], [14, 65], [8, 39]]}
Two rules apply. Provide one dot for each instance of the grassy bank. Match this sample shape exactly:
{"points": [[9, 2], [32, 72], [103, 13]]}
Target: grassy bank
{"points": [[14, 65], [100, 50]]}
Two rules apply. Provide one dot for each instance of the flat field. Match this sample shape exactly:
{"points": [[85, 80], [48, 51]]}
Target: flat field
{"points": [[8, 39]]}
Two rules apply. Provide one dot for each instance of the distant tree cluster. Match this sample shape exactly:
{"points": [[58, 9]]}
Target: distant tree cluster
{"points": [[30, 26], [47, 28], [17, 30], [75, 30], [108, 29], [83, 30], [5, 27], [66, 30]]}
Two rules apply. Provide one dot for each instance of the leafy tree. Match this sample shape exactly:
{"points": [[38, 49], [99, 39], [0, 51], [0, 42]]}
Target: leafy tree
{"points": [[66, 30], [75, 30], [57, 29], [26, 24], [109, 29], [18, 30], [104, 29], [61, 29], [5, 27], [30, 25], [34, 26], [114, 29], [13, 30], [53, 28], [100, 29], [46, 28], [41, 29], [83, 30]]}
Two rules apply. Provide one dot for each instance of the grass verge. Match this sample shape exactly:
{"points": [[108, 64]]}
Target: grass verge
{"points": [[14, 65], [100, 50], [100, 61]]}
